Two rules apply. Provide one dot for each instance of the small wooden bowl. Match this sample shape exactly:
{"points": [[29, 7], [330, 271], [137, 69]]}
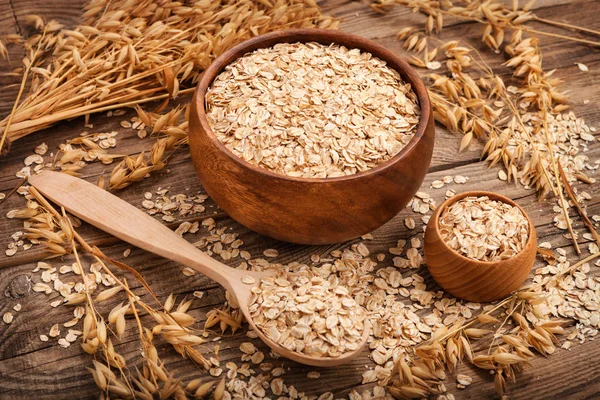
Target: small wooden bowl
{"points": [[302, 210], [470, 279]]}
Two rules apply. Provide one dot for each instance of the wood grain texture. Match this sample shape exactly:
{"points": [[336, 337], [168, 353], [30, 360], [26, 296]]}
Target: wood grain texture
{"points": [[12, 20], [301, 210], [31, 368], [474, 280]]}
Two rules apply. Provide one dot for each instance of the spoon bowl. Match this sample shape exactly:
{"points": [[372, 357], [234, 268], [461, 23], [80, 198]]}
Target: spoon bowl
{"points": [[119, 218]]}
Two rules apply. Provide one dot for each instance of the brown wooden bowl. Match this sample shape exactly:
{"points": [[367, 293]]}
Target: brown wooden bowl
{"points": [[303, 210], [470, 279]]}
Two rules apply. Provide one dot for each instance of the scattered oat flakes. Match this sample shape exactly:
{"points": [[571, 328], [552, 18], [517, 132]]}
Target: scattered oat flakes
{"points": [[271, 253], [245, 255], [464, 380], [362, 249], [7, 317], [369, 376], [41, 149], [54, 331], [79, 312], [184, 227], [33, 159], [257, 357], [437, 184], [252, 334], [71, 337], [433, 65], [248, 348], [582, 67], [461, 179], [42, 287]]}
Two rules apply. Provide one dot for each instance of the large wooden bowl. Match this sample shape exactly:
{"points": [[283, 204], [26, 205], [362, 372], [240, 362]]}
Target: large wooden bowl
{"points": [[303, 210], [471, 279]]}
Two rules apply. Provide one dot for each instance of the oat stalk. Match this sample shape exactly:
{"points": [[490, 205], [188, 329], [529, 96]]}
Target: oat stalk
{"points": [[565, 25], [573, 197], [562, 202]]}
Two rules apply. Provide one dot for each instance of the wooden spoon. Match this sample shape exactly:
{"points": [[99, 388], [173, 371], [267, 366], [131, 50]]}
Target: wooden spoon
{"points": [[119, 218]]}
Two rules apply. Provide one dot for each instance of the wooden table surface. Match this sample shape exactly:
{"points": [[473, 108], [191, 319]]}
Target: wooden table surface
{"points": [[32, 368]]}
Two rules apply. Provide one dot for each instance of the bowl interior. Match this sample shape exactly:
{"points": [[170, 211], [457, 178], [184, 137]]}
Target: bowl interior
{"points": [[494, 196], [327, 37]]}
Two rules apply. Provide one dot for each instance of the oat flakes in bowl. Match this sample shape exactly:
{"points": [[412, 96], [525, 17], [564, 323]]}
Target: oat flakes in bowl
{"points": [[312, 110], [480, 246], [484, 229]]}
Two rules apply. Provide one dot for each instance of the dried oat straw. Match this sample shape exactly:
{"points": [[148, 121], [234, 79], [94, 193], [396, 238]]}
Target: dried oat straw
{"points": [[311, 110], [484, 229], [308, 314]]}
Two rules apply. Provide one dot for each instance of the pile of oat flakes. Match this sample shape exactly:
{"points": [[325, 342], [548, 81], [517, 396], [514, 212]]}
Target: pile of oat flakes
{"points": [[311, 110]]}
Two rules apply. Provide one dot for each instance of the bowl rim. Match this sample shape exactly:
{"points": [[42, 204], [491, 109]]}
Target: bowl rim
{"points": [[494, 196], [305, 35]]}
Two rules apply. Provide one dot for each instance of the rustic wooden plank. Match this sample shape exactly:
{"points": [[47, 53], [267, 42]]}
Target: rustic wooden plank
{"points": [[29, 367]]}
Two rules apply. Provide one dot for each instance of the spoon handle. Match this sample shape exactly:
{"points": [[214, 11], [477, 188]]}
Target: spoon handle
{"points": [[119, 218]]}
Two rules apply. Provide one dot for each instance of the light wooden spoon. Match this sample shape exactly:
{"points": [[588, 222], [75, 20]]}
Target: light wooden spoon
{"points": [[119, 218]]}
